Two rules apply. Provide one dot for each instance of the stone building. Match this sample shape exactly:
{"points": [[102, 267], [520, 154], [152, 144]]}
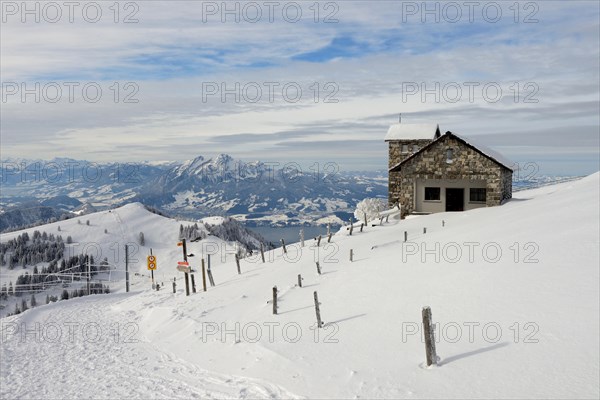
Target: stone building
{"points": [[430, 172]]}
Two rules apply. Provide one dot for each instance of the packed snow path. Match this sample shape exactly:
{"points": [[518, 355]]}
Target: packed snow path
{"points": [[104, 357]]}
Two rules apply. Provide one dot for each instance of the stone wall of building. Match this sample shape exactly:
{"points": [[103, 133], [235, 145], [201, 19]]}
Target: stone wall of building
{"points": [[466, 164], [396, 156]]}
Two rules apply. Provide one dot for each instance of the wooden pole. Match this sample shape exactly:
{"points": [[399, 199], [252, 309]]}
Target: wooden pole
{"points": [[187, 278], [351, 226], [203, 276], [126, 268], [387, 218], [283, 244], [424, 231], [317, 310], [193, 284], [318, 268], [210, 275], [174, 284], [351, 254], [152, 271], [443, 223], [366, 220], [262, 253], [88, 276], [429, 337], [329, 238], [299, 280], [274, 300], [237, 261], [319, 241], [361, 226], [405, 236]]}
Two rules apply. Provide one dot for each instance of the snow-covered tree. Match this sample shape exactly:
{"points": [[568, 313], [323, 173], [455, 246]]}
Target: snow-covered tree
{"points": [[33, 301], [369, 207]]}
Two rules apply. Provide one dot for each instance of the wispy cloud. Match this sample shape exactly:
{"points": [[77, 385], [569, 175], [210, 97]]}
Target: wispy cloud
{"points": [[374, 48]]}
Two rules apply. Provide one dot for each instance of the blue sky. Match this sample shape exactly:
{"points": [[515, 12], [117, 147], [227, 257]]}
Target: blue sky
{"points": [[177, 51]]}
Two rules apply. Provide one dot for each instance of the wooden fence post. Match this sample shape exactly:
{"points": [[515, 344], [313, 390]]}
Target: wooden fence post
{"points": [[210, 276], [351, 253], [317, 310], [443, 223], [283, 244], [351, 226], [366, 220], [318, 268], [361, 226], [237, 261], [429, 337], [319, 241], [329, 238], [203, 276], [424, 231], [262, 253], [174, 285], [299, 280], [405, 236], [387, 218], [193, 283], [275, 300]]}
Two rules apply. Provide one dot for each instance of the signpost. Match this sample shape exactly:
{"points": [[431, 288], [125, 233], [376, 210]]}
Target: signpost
{"points": [[187, 279], [184, 266], [151, 261]]}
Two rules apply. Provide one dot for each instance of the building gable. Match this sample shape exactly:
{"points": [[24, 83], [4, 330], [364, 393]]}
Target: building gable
{"points": [[481, 150]]}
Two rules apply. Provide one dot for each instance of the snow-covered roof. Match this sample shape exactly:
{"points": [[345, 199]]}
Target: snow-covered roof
{"points": [[476, 142], [411, 131]]}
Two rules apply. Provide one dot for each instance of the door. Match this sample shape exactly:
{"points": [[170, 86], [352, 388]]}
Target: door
{"points": [[455, 199]]}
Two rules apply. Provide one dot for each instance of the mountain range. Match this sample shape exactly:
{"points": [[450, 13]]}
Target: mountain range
{"points": [[256, 193]]}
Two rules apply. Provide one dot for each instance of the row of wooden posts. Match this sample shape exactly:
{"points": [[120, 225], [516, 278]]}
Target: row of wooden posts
{"points": [[315, 296]]}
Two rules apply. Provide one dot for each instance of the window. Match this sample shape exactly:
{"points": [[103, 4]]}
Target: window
{"points": [[404, 148], [415, 148], [432, 193], [449, 155], [477, 195]]}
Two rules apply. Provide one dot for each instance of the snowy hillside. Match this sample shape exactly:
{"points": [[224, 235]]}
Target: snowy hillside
{"points": [[514, 289], [103, 235]]}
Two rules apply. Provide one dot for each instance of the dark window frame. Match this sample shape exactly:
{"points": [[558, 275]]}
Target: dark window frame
{"points": [[430, 189], [475, 195]]}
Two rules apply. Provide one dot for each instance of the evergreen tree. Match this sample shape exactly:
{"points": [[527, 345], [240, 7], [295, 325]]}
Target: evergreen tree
{"points": [[69, 239], [47, 299], [33, 301], [64, 295], [23, 305]]}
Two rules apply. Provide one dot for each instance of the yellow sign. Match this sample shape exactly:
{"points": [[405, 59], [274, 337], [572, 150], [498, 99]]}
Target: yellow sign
{"points": [[151, 262]]}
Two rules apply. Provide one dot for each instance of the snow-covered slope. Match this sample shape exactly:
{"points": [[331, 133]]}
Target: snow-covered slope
{"points": [[515, 290]]}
